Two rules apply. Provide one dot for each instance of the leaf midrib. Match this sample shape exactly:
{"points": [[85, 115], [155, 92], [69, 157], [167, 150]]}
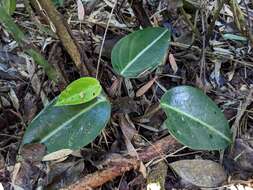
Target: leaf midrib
{"points": [[142, 52], [70, 120], [198, 121]]}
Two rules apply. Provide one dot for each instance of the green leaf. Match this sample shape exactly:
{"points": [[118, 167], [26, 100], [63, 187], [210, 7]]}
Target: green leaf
{"points": [[40, 60], [19, 37], [58, 2], [11, 26], [195, 120], [234, 37], [140, 51], [80, 91], [9, 5], [68, 127]]}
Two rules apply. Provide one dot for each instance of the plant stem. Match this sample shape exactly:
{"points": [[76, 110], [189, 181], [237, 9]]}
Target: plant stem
{"points": [[240, 20], [65, 36]]}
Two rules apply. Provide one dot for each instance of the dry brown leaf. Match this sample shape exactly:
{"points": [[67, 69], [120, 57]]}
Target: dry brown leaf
{"points": [[80, 10], [128, 135], [14, 99], [60, 154], [145, 88], [173, 63], [201, 173]]}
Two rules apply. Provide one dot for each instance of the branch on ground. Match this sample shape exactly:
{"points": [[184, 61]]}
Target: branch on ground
{"points": [[65, 36], [118, 165]]}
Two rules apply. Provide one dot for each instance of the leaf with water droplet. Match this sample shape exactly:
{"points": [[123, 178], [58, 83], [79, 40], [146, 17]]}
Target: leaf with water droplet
{"points": [[80, 91], [68, 127], [194, 119]]}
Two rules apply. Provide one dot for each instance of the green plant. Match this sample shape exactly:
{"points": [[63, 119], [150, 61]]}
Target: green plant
{"points": [[9, 6], [81, 111], [80, 91], [194, 119], [65, 125], [58, 2], [21, 39], [140, 52]]}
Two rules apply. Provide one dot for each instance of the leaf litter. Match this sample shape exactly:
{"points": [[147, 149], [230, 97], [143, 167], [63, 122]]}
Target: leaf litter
{"points": [[228, 76]]}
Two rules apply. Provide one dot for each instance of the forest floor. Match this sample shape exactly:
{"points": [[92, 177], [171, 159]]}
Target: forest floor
{"points": [[211, 49]]}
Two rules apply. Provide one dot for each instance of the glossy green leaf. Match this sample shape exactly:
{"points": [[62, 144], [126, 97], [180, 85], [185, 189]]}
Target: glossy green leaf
{"points": [[195, 120], [9, 5], [68, 127], [80, 91], [140, 52]]}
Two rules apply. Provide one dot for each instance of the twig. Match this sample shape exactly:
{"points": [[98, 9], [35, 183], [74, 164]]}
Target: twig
{"points": [[241, 111], [209, 53], [64, 34], [240, 20], [121, 164], [203, 51], [193, 28], [103, 41], [41, 28]]}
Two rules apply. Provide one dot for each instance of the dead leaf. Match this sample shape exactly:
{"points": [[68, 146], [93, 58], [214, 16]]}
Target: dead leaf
{"points": [[129, 87], [64, 173], [80, 10], [30, 107], [14, 99], [145, 87], [125, 105], [127, 131], [114, 90], [27, 175], [242, 153], [2, 162], [60, 154], [201, 173], [173, 63], [33, 152]]}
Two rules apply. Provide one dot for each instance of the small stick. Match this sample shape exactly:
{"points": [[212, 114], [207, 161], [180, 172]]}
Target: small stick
{"points": [[121, 164], [64, 34]]}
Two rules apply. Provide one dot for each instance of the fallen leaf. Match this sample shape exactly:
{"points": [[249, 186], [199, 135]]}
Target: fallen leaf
{"points": [[128, 132], [33, 152], [80, 10], [145, 87], [201, 173], [242, 153], [60, 154], [14, 99], [173, 63], [30, 107]]}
